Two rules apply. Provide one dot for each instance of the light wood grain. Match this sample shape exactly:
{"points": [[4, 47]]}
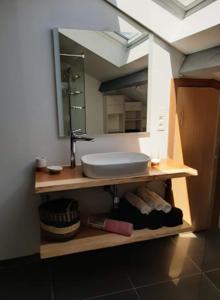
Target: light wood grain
{"points": [[194, 116], [70, 179], [91, 239]]}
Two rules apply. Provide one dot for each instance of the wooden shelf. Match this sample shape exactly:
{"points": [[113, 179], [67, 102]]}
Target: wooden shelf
{"points": [[91, 239], [70, 179]]}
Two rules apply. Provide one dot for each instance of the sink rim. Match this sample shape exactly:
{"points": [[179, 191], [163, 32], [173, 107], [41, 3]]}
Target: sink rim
{"points": [[143, 158]]}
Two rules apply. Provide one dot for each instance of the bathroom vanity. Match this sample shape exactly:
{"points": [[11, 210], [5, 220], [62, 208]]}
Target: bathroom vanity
{"points": [[91, 239]]}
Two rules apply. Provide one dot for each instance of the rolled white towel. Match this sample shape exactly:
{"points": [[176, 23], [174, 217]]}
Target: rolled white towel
{"points": [[153, 199], [136, 201]]}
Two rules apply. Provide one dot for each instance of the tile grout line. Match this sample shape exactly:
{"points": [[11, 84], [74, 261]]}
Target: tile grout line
{"points": [[165, 281], [212, 270], [189, 257], [203, 273], [211, 282], [134, 288], [109, 294], [195, 264], [51, 283]]}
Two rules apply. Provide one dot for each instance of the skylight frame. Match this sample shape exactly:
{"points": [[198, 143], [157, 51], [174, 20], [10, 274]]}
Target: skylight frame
{"points": [[181, 11], [119, 38], [191, 5], [128, 39]]}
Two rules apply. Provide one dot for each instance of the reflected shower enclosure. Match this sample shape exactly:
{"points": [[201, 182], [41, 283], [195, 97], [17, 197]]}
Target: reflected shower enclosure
{"points": [[73, 91], [70, 86]]}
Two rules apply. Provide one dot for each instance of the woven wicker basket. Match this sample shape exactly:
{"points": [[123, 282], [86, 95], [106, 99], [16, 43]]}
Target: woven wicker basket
{"points": [[59, 219]]}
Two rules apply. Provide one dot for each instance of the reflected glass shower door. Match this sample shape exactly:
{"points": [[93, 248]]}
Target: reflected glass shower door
{"points": [[73, 92]]}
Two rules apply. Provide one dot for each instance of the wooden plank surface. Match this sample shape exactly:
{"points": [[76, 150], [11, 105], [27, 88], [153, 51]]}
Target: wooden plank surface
{"points": [[90, 239], [193, 131], [70, 179]]}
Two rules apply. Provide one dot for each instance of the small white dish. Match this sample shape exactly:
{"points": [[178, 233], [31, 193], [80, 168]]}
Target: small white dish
{"points": [[54, 169]]}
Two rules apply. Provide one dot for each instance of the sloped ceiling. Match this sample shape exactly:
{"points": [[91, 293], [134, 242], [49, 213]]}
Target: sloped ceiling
{"points": [[196, 32]]}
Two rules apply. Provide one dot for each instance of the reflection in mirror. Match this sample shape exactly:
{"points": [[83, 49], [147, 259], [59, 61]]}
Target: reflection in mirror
{"points": [[101, 81]]}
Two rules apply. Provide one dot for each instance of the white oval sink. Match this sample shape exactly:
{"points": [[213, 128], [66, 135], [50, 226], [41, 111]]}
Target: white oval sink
{"points": [[114, 164]]}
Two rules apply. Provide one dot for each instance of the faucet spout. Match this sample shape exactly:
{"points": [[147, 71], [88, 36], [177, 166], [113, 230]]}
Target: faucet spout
{"points": [[74, 137]]}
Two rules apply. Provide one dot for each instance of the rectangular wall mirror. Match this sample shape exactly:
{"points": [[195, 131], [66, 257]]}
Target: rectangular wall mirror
{"points": [[101, 81]]}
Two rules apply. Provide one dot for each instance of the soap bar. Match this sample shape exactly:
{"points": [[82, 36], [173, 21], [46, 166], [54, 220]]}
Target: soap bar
{"points": [[120, 227]]}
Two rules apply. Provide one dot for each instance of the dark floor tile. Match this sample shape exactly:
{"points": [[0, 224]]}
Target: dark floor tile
{"points": [[212, 250], [32, 281], [29, 292], [89, 275], [158, 260], [9, 292], [36, 273], [11, 284], [202, 247], [214, 276], [128, 295], [191, 288], [19, 262], [37, 291], [115, 255]]}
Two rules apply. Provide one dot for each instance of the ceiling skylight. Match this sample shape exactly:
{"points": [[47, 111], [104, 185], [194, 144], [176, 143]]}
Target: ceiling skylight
{"points": [[128, 35], [127, 38], [183, 8], [188, 4]]}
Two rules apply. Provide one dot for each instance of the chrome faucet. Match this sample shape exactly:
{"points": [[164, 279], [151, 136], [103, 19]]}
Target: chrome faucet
{"points": [[74, 137]]}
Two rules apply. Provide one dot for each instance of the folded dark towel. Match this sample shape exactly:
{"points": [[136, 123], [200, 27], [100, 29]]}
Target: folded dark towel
{"points": [[129, 213], [173, 218], [154, 220]]}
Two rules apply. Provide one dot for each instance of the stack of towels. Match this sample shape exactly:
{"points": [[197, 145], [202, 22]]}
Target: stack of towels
{"points": [[146, 208]]}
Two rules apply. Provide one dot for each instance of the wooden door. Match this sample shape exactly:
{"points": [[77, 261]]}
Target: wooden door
{"points": [[198, 113]]}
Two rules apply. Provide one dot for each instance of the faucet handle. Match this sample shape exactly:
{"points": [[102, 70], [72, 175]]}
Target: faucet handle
{"points": [[75, 131]]}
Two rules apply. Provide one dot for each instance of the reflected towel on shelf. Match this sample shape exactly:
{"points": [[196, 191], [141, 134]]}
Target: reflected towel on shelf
{"points": [[153, 200], [136, 201]]}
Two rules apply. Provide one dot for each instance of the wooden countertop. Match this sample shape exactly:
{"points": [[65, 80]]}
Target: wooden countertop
{"points": [[70, 179]]}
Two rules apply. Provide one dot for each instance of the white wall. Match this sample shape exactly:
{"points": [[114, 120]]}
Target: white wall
{"points": [[28, 117], [164, 64]]}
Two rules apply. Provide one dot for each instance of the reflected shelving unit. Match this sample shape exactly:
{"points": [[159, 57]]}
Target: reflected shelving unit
{"points": [[124, 115]]}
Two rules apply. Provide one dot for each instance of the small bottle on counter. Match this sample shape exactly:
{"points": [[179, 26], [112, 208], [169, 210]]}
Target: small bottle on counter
{"points": [[41, 163], [155, 162]]}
